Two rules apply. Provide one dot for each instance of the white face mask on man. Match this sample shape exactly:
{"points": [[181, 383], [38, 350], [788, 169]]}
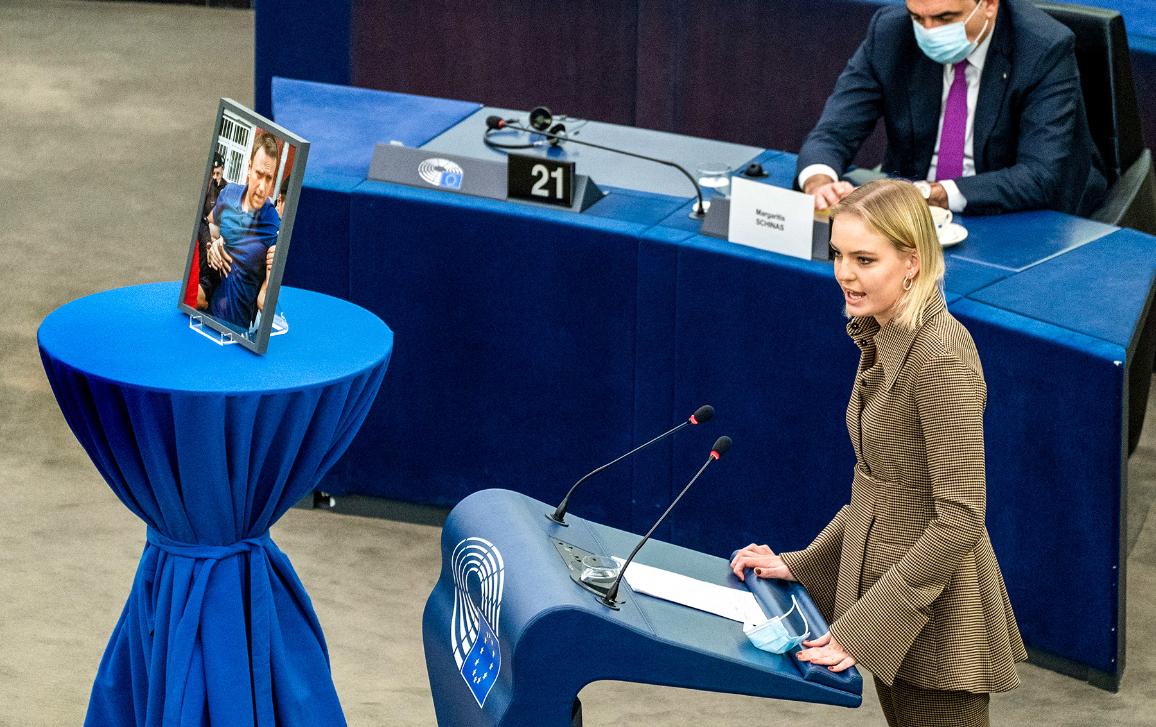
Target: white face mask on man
{"points": [[948, 43]]}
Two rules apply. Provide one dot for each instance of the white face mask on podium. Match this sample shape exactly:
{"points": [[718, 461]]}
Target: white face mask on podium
{"points": [[772, 635]]}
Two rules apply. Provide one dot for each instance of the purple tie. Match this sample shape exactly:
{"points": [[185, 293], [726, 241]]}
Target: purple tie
{"points": [[950, 163]]}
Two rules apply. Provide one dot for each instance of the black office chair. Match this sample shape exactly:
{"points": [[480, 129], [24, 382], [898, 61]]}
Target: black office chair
{"points": [[1114, 120], [1113, 113]]}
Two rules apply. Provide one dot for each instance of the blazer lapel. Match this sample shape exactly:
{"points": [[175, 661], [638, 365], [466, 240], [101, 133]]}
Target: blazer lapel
{"points": [[992, 87], [925, 96]]}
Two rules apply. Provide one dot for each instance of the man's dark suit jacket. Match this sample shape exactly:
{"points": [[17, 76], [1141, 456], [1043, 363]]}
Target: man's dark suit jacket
{"points": [[1032, 147]]}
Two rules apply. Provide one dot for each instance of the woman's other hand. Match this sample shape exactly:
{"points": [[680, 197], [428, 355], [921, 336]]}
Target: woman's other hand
{"points": [[764, 561], [827, 652]]}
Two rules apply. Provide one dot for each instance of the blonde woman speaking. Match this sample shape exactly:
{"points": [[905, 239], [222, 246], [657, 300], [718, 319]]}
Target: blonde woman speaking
{"points": [[905, 572]]}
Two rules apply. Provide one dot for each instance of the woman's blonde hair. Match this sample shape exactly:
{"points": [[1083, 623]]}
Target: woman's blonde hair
{"points": [[896, 210]]}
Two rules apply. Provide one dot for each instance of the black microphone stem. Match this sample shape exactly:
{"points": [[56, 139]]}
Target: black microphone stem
{"points": [[699, 210], [612, 594], [560, 512]]}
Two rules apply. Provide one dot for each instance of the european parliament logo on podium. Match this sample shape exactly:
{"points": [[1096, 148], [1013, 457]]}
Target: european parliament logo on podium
{"points": [[482, 664], [479, 579]]}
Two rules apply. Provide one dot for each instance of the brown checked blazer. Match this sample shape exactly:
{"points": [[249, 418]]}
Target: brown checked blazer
{"points": [[905, 572]]}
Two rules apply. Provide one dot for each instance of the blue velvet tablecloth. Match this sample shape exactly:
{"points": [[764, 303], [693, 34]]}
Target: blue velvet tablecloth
{"points": [[209, 445]]}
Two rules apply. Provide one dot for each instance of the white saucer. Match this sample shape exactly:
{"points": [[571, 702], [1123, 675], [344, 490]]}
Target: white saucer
{"points": [[939, 215], [952, 233]]}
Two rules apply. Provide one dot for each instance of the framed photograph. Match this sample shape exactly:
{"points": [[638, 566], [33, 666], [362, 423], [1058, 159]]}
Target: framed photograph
{"points": [[242, 227]]}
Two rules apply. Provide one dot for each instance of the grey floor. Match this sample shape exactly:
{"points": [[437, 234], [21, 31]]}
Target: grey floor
{"points": [[105, 115]]}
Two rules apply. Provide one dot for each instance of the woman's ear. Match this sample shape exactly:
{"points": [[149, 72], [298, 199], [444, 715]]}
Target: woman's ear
{"points": [[911, 269]]}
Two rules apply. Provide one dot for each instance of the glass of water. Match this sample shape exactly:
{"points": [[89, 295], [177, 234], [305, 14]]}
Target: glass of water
{"points": [[715, 180]]}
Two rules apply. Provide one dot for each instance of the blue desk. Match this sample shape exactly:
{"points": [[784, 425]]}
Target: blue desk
{"points": [[541, 343], [209, 446]]}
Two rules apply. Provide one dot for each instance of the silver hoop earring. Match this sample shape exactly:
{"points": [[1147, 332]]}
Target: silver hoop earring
{"points": [[907, 283]]}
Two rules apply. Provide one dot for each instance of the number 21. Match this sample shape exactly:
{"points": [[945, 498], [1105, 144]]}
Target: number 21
{"points": [[543, 175]]}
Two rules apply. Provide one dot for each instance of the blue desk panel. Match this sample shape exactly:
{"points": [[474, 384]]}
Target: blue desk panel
{"points": [[1055, 473], [515, 358], [761, 337], [634, 206], [319, 251], [300, 39], [1096, 289], [1018, 241], [963, 277], [357, 119]]}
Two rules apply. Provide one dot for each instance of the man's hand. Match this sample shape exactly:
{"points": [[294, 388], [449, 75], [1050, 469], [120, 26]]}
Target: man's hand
{"points": [[827, 191], [220, 260], [269, 255], [938, 196], [764, 560]]}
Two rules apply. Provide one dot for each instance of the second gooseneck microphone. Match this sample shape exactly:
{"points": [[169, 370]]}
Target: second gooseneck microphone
{"points": [[721, 446], [497, 123], [701, 414]]}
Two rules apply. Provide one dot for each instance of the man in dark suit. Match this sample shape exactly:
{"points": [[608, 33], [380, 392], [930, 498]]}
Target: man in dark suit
{"points": [[982, 105]]}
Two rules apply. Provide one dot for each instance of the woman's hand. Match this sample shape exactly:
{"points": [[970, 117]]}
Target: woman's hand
{"points": [[763, 560], [827, 652]]}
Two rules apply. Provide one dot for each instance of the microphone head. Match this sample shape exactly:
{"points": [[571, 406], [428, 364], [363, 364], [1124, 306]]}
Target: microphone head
{"points": [[495, 122], [702, 414], [721, 446], [541, 118], [557, 134]]}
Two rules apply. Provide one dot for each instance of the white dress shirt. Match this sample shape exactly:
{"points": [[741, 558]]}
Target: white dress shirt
{"points": [[956, 202]]}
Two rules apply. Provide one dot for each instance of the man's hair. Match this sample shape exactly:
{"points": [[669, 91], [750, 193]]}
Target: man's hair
{"points": [[896, 210], [218, 160], [265, 141]]}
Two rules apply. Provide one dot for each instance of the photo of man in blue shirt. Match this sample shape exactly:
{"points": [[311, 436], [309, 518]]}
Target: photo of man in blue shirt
{"points": [[243, 225]]}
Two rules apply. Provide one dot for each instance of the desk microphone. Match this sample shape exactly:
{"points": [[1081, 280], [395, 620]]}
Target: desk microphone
{"points": [[721, 446], [497, 123], [701, 414]]}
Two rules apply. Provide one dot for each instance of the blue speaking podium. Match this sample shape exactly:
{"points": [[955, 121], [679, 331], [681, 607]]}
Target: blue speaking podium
{"points": [[510, 639]]}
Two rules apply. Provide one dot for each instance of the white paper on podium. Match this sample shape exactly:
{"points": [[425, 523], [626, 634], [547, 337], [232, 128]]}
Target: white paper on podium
{"points": [[729, 603]]}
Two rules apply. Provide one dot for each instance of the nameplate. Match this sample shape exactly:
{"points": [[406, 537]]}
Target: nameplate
{"points": [[771, 218]]}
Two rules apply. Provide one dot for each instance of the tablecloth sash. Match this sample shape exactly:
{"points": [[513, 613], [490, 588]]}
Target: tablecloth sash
{"points": [[182, 652], [206, 552]]}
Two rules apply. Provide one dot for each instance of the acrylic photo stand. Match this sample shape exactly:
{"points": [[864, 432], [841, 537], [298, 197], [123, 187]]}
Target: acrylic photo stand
{"points": [[223, 338]]}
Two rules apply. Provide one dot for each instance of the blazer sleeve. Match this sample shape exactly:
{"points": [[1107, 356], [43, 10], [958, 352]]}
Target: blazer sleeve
{"points": [[1046, 145], [850, 113], [880, 627], [817, 565]]}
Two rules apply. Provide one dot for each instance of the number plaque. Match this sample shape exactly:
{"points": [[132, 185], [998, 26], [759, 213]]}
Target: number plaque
{"points": [[539, 179]]}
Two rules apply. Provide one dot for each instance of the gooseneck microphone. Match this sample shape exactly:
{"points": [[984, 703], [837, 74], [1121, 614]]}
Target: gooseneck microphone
{"points": [[497, 123], [721, 446], [701, 414]]}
